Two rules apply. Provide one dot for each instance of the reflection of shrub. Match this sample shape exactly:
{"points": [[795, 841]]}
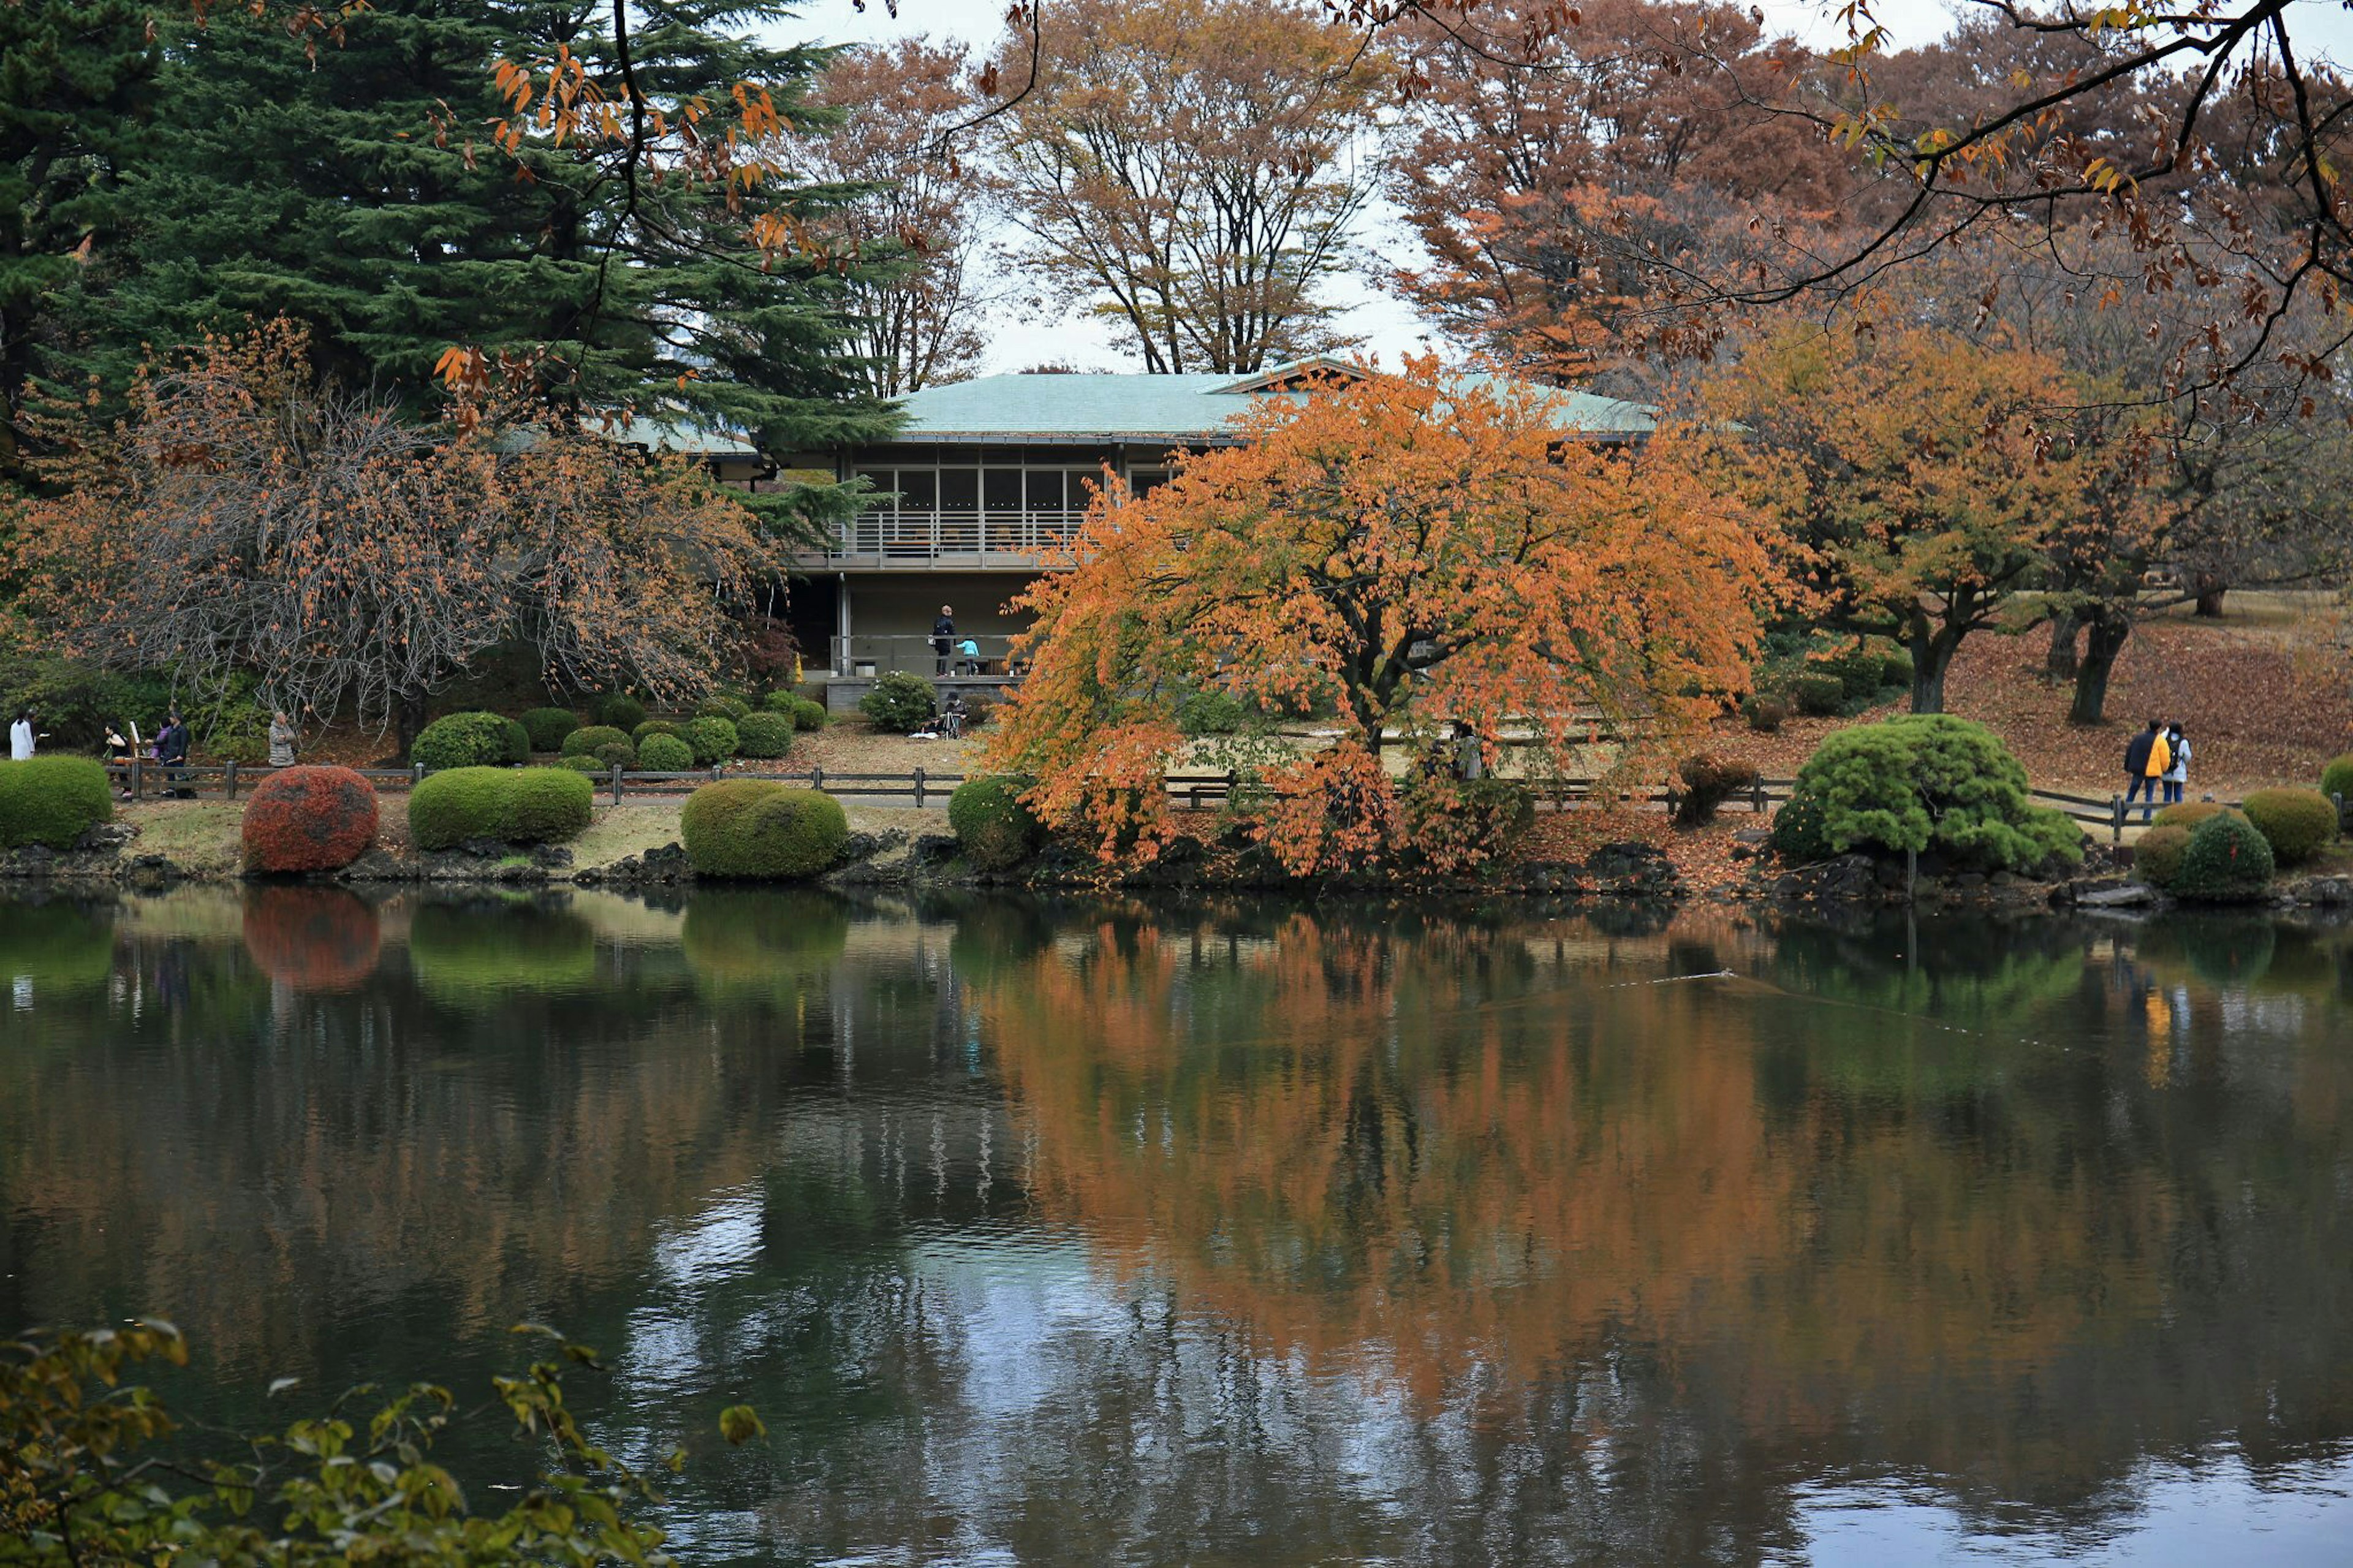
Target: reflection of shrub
{"points": [[526, 806], [462, 741], [1930, 782], [993, 827], [312, 938], [757, 827], [459, 951], [583, 742], [665, 754], [2156, 859], [1708, 782], [53, 944], [2225, 861], [2188, 812], [548, 726], [740, 941], [620, 712], [2227, 951], [713, 740], [309, 818], [764, 735], [52, 801], [2295, 822], [900, 703]]}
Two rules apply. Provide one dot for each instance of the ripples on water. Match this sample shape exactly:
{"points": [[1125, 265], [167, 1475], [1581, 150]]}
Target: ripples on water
{"points": [[1237, 1232]]}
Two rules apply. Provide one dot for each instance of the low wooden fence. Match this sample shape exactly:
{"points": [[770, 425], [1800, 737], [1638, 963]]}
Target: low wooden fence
{"points": [[144, 780]]}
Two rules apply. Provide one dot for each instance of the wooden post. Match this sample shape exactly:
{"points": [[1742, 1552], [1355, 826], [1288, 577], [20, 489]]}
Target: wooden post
{"points": [[229, 778], [714, 773], [617, 783], [137, 776], [2117, 819], [1756, 798], [817, 778], [919, 788], [415, 774]]}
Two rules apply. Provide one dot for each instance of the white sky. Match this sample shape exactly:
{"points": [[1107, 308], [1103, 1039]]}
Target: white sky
{"points": [[1389, 327]]}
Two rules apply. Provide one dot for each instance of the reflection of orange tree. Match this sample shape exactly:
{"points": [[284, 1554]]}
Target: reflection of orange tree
{"points": [[1433, 1147]]}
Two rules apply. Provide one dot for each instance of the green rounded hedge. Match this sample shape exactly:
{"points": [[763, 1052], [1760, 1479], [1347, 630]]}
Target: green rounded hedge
{"points": [[658, 727], [527, 805], [2189, 813], [2156, 859], [548, 726], [805, 713], [616, 755], [713, 740], [719, 706], [2225, 861], [618, 710], [992, 826], [900, 703], [52, 801], [764, 735], [586, 766], [1930, 782], [2336, 779], [583, 742], [2295, 822], [665, 754], [757, 827], [473, 739]]}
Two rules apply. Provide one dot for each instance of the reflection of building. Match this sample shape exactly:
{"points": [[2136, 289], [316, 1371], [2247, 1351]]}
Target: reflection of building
{"points": [[986, 480]]}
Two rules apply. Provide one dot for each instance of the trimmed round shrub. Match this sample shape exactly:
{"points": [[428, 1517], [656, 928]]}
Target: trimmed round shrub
{"points": [[448, 807], [1766, 714], [583, 742], [2156, 859], [548, 726], [1931, 781], [1708, 782], [2188, 812], [719, 706], [309, 817], [994, 829], [713, 740], [616, 755], [757, 827], [1800, 831], [585, 767], [619, 711], [546, 805], [2225, 861], [463, 741], [900, 703], [1818, 696], [2336, 779], [52, 801], [527, 805], [1210, 714], [805, 713], [670, 727], [518, 742], [764, 735], [2295, 822], [665, 754]]}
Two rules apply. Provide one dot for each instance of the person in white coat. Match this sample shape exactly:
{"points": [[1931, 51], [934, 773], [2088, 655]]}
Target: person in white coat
{"points": [[21, 737]]}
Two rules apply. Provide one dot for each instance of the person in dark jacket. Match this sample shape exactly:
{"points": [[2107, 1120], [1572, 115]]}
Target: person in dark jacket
{"points": [[172, 746], [942, 636], [2146, 756]]}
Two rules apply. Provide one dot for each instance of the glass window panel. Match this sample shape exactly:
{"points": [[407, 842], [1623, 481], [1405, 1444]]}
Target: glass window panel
{"points": [[918, 489], [960, 489], [1002, 490]]}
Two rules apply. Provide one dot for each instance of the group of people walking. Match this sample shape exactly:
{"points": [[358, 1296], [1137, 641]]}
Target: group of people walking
{"points": [[2156, 759]]}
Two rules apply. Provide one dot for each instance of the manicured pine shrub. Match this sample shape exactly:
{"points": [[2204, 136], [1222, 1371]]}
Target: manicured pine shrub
{"points": [[1708, 782], [1930, 782], [2225, 861], [465, 740], [2295, 822], [719, 706], [715, 739], [757, 827], [583, 742], [764, 735], [529, 806], [548, 726], [2156, 859], [1800, 829], [618, 710], [309, 817], [994, 829], [665, 754], [900, 703], [52, 801]]}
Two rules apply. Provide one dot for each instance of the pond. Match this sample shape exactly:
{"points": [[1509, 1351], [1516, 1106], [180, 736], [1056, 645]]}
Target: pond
{"points": [[1241, 1231]]}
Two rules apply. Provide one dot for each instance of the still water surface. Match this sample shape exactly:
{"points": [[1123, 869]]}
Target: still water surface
{"points": [[1241, 1231]]}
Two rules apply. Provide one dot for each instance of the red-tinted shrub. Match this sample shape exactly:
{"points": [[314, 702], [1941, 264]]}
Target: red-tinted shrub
{"points": [[309, 818], [312, 938]]}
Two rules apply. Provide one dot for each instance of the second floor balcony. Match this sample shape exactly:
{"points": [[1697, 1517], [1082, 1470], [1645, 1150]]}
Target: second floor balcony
{"points": [[1010, 541]]}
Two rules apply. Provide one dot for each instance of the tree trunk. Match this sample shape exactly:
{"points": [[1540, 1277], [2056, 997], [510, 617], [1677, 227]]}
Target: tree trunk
{"points": [[2209, 593], [1931, 657], [2060, 663], [409, 720], [2108, 634]]}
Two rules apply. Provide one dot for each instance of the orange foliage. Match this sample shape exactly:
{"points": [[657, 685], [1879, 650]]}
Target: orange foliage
{"points": [[1413, 552]]}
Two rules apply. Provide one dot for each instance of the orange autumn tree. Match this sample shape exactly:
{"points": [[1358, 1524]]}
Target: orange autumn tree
{"points": [[1411, 554]]}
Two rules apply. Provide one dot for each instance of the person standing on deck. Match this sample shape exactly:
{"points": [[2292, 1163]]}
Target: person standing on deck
{"points": [[943, 637], [2146, 759]]}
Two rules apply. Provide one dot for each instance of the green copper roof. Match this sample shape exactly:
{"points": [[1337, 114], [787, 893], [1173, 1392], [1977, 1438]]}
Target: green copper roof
{"points": [[1153, 407]]}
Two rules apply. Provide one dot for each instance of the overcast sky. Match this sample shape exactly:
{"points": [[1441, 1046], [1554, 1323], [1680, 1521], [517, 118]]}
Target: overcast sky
{"points": [[1387, 325]]}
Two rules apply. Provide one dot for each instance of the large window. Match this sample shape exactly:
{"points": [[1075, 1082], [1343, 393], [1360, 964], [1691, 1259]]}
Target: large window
{"points": [[962, 507]]}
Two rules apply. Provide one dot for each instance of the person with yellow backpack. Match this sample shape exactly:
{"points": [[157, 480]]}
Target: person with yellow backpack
{"points": [[2147, 756]]}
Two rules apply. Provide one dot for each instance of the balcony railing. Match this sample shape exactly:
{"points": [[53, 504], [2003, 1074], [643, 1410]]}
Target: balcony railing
{"points": [[914, 653], [1010, 541]]}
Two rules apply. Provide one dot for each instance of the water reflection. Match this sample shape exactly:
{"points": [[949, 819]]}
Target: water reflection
{"points": [[1087, 1232]]}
